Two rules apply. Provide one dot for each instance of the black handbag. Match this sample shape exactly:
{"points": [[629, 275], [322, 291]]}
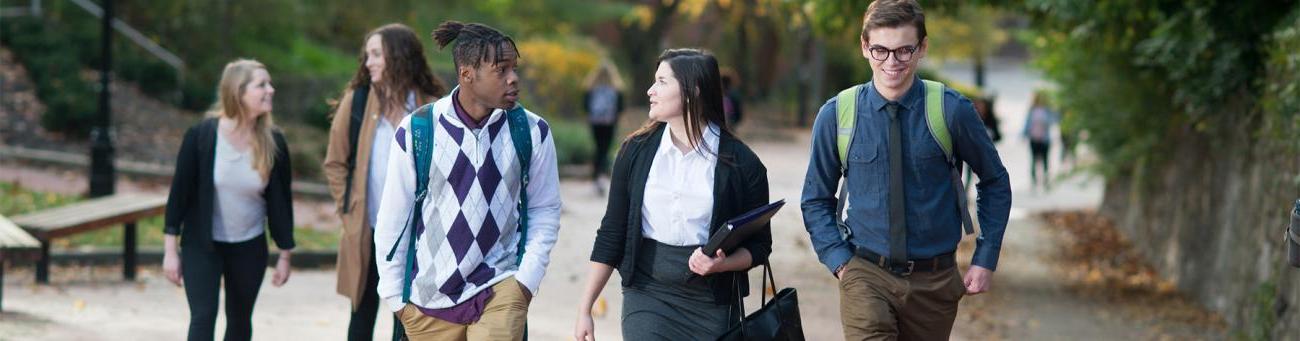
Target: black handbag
{"points": [[778, 319]]}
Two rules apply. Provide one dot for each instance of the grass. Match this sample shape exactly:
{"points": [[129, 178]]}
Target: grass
{"points": [[18, 200]]}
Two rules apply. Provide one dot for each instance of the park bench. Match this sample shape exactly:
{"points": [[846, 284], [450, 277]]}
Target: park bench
{"points": [[12, 240], [92, 215]]}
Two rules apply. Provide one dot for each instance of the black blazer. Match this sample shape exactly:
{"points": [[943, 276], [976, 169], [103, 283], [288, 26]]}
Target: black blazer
{"points": [[189, 204], [740, 185]]}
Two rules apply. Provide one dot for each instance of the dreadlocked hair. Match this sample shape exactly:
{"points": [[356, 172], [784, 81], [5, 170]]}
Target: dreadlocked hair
{"points": [[475, 43]]}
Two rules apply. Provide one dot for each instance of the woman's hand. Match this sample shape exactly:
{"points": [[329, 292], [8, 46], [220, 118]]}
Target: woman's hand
{"points": [[282, 270], [704, 265], [172, 260], [172, 268], [585, 329]]}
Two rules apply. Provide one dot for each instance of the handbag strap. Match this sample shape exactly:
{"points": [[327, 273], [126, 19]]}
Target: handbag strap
{"points": [[740, 300]]}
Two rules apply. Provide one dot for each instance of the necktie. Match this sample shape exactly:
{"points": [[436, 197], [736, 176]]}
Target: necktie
{"points": [[897, 218]]}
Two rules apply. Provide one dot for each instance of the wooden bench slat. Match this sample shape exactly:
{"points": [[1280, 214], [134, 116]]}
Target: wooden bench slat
{"points": [[13, 237], [96, 205], [95, 212]]}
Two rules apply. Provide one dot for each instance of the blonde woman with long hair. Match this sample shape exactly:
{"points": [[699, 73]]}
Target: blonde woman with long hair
{"points": [[231, 185]]}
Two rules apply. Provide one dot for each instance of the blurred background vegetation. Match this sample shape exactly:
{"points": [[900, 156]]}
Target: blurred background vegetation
{"points": [[786, 55], [1147, 81]]}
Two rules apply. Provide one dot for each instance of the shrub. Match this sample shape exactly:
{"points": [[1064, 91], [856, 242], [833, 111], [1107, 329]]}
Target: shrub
{"points": [[52, 64], [573, 143], [553, 73]]}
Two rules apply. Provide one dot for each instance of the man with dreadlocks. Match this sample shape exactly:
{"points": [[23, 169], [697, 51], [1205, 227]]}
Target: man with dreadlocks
{"points": [[471, 204]]}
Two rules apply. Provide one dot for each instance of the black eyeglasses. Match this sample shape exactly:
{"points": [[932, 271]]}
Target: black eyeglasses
{"points": [[901, 54]]}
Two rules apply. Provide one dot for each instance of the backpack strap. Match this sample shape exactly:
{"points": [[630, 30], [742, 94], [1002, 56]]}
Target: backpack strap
{"points": [[359, 96], [846, 114], [522, 137], [938, 123], [422, 151]]}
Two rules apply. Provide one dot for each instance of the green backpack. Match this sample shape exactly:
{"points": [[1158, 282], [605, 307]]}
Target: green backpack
{"points": [[845, 123]]}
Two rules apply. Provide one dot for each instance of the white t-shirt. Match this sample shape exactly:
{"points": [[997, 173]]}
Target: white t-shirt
{"points": [[239, 211]]}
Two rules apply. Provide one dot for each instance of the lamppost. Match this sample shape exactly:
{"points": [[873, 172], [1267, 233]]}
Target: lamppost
{"points": [[102, 177]]}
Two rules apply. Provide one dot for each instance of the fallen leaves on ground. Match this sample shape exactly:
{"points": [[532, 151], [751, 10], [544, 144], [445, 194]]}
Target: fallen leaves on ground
{"points": [[1100, 263]]}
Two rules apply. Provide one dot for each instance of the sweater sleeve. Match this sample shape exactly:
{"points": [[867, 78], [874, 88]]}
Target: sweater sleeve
{"points": [[184, 183], [756, 195], [612, 234], [279, 196], [398, 199], [543, 209]]}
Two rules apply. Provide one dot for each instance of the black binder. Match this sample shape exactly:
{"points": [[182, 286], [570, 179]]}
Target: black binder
{"points": [[740, 228]]}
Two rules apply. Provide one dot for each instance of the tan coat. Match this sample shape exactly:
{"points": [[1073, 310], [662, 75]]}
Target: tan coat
{"points": [[356, 247]]}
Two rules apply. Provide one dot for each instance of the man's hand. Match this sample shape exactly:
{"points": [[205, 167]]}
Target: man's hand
{"points": [[977, 280]]}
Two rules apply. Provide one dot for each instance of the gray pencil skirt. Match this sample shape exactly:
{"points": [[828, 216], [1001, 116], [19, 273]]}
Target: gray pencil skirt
{"points": [[664, 302]]}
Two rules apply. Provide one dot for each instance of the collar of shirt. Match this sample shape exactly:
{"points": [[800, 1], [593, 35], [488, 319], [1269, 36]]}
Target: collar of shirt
{"points": [[711, 138], [908, 101], [463, 114]]}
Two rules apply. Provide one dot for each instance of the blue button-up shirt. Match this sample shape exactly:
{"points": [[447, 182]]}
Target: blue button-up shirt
{"points": [[933, 223]]}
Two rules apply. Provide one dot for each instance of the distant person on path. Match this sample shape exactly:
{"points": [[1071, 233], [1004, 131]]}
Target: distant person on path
{"points": [[604, 104], [392, 80], [1038, 124], [676, 181], [732, 106], [894, 254], [471, 201], [231, 185]]}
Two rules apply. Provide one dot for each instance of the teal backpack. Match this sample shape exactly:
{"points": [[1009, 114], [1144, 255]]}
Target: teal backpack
{"points": [[845, 122]]}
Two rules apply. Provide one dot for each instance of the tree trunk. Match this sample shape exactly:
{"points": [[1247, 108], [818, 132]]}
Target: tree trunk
{"points": [[641, 48]]}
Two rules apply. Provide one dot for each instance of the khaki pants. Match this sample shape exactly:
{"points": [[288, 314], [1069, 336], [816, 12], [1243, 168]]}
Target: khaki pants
{"points": [[503, 318], [877, 305]]}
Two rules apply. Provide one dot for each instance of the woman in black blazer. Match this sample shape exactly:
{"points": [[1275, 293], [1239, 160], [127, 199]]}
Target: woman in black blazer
{"points": [[232, 179], [675, 181]]}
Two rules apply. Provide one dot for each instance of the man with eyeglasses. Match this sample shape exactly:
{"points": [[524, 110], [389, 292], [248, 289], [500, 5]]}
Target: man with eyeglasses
{"points": [[898, 144]]}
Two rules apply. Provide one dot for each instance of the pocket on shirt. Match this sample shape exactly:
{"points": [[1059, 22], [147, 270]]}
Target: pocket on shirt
{"points": [[868, 176], [930, 161]]}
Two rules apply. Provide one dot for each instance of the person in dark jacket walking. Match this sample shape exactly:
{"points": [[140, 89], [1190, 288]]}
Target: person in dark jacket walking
{"points": [[675, 181], [231, 186], [604, 104]]}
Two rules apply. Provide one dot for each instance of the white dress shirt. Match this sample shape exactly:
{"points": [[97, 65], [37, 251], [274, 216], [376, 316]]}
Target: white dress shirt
{"points": [[678, 203]]}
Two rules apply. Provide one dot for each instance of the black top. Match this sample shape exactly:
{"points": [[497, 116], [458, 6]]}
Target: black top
{"points": [[740, 185], [192, 195]]}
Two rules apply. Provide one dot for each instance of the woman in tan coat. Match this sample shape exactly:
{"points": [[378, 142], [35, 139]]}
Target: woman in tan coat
{"points": [[393, 80]]}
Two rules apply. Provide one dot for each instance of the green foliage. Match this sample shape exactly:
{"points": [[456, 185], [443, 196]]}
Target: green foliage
{"points": [[553, 71], [573, 143], [1135, 73], [1263, 316], [51, 62], [1281, 100]]}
